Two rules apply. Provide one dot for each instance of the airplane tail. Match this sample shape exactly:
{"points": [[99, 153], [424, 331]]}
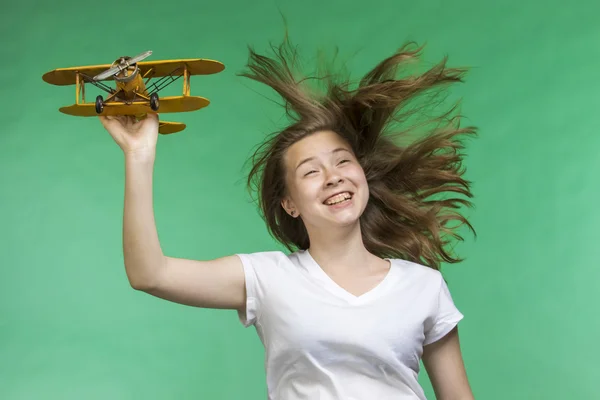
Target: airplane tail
{"points": [[166, 127]]}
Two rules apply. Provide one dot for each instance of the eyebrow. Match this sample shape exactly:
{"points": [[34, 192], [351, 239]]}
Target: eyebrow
{"points": [[312, 158]]}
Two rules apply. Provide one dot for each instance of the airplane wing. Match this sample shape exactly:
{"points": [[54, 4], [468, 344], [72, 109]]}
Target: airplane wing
{"points": [[169, 104], [155, 69]]}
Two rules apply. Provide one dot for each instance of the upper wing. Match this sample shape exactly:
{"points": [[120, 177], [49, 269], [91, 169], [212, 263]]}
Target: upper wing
{"points": [[155, 69], [66, 76], [195, 66]]}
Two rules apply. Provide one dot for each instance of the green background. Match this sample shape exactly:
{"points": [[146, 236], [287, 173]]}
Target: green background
{"points": [[72, 328]]}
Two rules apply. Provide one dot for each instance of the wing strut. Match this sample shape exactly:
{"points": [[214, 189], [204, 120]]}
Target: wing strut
{"points": [[98, 84], [165, 81]]}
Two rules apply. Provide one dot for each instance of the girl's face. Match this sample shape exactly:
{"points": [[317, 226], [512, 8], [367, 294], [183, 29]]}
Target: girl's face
{"points": [[326, 185]]}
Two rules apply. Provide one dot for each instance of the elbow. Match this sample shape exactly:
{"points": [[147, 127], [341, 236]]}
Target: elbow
{"points": [[141, 283], [143, 279]]}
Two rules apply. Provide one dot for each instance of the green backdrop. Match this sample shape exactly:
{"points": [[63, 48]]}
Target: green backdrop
{"points": [[72, 328]]}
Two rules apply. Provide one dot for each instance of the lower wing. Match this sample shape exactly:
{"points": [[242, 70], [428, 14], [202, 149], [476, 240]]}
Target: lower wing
{"points": [[171, 104]]}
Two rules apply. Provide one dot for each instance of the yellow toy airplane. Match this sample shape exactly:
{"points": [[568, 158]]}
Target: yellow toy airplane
{"points": [[131, 95]]}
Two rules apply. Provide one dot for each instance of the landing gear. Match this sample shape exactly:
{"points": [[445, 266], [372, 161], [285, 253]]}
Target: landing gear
{"points": [[99, 104], [154, 101]]}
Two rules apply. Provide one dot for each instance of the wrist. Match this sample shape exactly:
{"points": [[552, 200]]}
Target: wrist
{"points": [[140, 156]]}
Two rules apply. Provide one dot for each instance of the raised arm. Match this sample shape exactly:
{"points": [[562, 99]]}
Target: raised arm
{"points": [[215, 283]]}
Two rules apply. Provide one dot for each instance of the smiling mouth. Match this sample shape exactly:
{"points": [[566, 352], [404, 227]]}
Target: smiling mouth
{"points": [[338, 198]]}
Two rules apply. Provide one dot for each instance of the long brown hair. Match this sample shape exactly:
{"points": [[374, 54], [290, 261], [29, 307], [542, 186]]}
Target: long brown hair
{"points": [[407, 215]]}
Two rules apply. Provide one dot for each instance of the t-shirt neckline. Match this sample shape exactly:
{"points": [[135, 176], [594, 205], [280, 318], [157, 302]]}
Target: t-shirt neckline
{"points": [[317, 272]]}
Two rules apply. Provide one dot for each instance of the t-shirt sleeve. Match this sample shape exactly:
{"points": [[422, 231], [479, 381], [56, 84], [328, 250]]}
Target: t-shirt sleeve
{"points": [[256, 268], [445, 316]]}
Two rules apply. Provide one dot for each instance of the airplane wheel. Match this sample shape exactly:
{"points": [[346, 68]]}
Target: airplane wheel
{"points": [[154, 101], [99, 104]]}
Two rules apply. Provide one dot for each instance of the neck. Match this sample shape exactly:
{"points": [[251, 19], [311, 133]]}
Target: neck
{"points": [[339, 250]]}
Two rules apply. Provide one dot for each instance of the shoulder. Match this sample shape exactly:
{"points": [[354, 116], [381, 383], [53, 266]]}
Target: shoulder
{"points": [[420, 280], [434, 299], [265, 259], [417, 273], [270, 264]]}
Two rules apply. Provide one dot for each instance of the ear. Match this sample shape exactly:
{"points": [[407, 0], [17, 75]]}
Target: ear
{"points": [[289, 207]]}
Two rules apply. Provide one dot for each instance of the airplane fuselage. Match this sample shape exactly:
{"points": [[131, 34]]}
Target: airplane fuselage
{"points": [[129, 88]]}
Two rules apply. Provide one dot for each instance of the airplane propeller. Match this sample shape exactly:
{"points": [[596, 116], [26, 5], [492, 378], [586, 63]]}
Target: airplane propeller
{"points": [[123, 64]]}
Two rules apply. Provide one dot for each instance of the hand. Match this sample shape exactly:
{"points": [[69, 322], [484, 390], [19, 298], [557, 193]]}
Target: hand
{"points": [[134, 137]]}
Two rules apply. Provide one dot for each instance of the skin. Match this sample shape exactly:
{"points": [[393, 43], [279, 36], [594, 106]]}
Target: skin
{"points": [[336, 241]]}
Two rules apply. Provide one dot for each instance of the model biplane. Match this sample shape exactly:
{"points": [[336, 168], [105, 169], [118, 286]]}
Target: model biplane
{"points": [[132, 95]]}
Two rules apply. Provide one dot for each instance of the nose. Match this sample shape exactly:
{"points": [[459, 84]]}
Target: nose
{"points": [[334, 179]]}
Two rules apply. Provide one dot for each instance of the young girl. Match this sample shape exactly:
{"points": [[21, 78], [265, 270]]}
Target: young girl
{"points": [[358, 301]]}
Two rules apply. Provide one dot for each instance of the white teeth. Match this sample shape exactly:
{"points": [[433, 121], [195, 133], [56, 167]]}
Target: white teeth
{"points": [[338, 198]]}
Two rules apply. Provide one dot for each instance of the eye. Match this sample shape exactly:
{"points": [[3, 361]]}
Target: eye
{"points": [[309, 172], [344, 161]]}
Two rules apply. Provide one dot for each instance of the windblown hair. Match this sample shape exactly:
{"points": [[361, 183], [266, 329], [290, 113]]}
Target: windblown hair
{"points": [[407, 215]]}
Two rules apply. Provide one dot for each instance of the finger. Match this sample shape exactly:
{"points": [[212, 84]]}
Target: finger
{"points": [[110, 122], [117, 118], [105, 121]]}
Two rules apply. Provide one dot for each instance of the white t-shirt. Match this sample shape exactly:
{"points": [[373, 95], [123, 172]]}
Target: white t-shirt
{"points": [[322, 342]]}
